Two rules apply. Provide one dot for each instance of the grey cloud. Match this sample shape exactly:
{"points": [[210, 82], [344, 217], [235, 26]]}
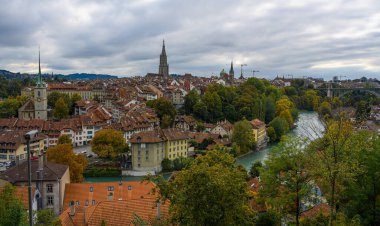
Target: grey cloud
{"points": [[124, 37]]}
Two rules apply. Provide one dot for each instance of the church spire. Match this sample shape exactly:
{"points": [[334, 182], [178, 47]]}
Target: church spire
{"points": [[232, 73], [163, 48], [39, 79], [163, 68]]}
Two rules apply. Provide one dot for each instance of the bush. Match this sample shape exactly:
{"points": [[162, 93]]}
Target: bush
{"points": [[102, 172]]}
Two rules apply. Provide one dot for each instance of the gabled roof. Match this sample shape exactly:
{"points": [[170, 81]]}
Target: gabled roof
{"points": [[154, 136], [125, 190], [18, 173], [115, 213], [175, 134], [257, 123]]}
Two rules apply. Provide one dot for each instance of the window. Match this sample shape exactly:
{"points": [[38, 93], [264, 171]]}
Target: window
{"points": [[49, 188], [77, 203], [129, 187], [91, 189], [50, 200], [143, 145], [86, 203], [93, 202], [110, 188]]}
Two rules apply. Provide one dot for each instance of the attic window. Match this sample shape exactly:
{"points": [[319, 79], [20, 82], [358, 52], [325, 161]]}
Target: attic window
{"points": [[110, 188], [91, 189], [138, 139]]}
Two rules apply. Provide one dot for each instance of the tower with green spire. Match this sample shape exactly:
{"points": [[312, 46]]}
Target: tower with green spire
{"points": [[40, 95], [163, 68]]}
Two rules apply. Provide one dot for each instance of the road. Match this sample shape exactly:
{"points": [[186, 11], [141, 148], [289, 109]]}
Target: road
{"points": [[82, 149]]}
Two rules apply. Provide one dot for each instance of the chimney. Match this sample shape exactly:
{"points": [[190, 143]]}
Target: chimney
{"points": [[72, 208], [158, 210]]}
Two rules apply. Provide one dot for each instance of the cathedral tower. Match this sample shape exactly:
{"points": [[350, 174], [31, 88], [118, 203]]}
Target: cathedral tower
{"points": [[40, 95], [164, 66], [232, 73]]}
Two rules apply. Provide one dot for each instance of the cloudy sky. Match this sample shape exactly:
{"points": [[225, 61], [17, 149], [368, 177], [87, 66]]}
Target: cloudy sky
{"points": [[318, 38]]}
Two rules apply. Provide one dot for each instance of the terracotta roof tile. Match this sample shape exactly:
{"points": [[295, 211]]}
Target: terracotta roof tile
{"points": [[81, 192]]}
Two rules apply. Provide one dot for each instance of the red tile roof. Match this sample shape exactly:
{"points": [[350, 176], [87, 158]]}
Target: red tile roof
{"points": [[115, 213], [120, 191]]}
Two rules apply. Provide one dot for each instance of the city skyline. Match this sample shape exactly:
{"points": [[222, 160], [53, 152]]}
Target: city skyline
{"points": [[319, 38]]}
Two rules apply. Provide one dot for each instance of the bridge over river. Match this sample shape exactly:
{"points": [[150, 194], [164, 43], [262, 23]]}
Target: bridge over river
{"points": [[340, 92]]}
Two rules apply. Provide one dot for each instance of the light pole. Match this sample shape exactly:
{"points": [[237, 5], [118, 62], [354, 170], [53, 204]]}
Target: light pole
{"points": [[241, 70], [29, 136]]}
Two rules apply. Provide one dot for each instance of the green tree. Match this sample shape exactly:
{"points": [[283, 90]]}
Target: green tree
{"points": [[11, 208], [64, 139], [212, 191], [325, 109], [164, 108], [243, 136], [74, 98], [214, 106], [280, 125], [61, 109], [270, 110], [255, 169], [284, 179], [167, 165], [190, 100], [47, 217], [200, 110], [331, 162], [109, 144], [269, 218], [166, 121], [9, 107], [271, 134], [361, 195], [64, 154], [363, 110]]}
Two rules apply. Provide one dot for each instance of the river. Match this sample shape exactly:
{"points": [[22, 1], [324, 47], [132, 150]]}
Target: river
{"points": [[308, 125]]}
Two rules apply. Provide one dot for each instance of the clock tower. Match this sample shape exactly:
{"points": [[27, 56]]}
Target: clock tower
{"points": [[40, 95]]}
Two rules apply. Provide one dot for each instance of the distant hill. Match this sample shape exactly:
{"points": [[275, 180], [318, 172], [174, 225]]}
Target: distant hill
{"points": [[88, 76], [18, 75]]}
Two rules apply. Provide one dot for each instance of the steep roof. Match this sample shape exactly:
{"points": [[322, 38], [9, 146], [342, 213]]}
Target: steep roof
{"points": [[81, 192], [115, 213], [257, 123], [52, 171], [175, 134], [154, 136]]}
